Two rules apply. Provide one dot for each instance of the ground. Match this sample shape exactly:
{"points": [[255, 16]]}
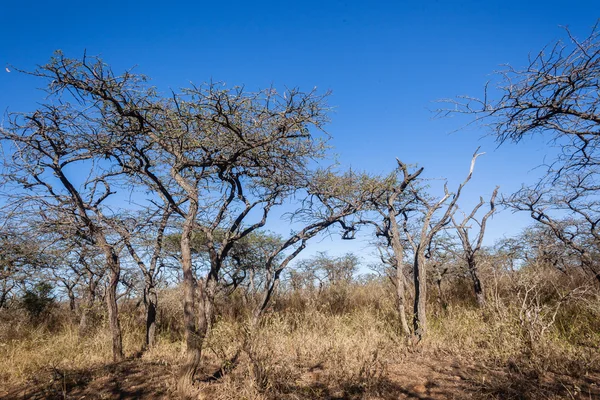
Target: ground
{"points": [[418, 377]]}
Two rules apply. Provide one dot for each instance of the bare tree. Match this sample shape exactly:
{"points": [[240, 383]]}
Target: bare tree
{"points": [[217, 155], [21, 261], [556, 96], [420, 236], [580, 235], [47, 146], [472, 246]]}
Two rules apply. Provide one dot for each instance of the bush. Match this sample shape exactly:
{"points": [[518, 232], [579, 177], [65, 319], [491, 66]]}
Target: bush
{"points": [[38, 300]]}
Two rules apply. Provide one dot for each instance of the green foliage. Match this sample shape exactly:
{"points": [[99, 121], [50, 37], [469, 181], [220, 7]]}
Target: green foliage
{"points": [[38, 299]]}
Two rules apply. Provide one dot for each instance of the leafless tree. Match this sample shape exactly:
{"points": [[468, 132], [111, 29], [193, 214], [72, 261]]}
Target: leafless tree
{"points": [[47, 146], [472, 246], [578, 231], [425, 225], [21, 262], [556, 96]]}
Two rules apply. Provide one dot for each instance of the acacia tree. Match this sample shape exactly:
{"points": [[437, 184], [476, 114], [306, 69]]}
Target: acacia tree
{"points": [[330, 200], [556, 96], [256, 148], [50, 148], [472, 246], [219, 156], [391, 199], [16, 262], [578, 231], [66, 276]]}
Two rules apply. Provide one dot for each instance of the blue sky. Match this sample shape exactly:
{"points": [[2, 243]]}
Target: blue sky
{"points": [[385, 63]]}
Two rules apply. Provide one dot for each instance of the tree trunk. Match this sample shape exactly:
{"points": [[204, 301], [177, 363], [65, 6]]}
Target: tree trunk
{"points": [[401, 294], [85, 310], [207, 306], [193, 340], [114, 267], [113, 313], [151, 302], [477, 285], [420, 304], [71, 299], [398, 250]]}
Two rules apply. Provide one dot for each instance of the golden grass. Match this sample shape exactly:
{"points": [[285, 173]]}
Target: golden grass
{"points": [[339, 342]]}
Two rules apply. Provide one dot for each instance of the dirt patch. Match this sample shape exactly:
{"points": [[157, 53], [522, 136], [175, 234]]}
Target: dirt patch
{"points": [[132, 379], [419, 377]]}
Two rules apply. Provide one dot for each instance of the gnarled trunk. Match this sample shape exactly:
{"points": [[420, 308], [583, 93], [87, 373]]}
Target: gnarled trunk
{"points": [[151, 300], [420, 304], [398, 250], [113, 315], [193, 339], [206, 306], [400, 298], [477, 285]]}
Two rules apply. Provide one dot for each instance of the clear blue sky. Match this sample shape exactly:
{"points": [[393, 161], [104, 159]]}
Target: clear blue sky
{"points": [[385, 62]]}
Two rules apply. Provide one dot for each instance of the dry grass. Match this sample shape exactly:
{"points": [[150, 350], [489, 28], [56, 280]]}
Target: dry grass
{"points": [[341, 343]]}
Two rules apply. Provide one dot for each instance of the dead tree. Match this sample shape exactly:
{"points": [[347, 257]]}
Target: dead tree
{"points": [[472, 246], [580, 235], [426, 226], [556, 96]]}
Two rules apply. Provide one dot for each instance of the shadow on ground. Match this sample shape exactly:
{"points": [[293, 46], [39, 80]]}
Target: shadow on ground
{"points": [[418, 378], [131, 379], [446, 379]]}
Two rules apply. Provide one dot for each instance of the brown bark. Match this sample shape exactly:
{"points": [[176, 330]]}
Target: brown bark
{"points": [[114, 267], [193, 340], [420, 304], [477, 284], [87, 308], [113, 315], [398, 256], [401, 295], [151, 301], [206, 306]]}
